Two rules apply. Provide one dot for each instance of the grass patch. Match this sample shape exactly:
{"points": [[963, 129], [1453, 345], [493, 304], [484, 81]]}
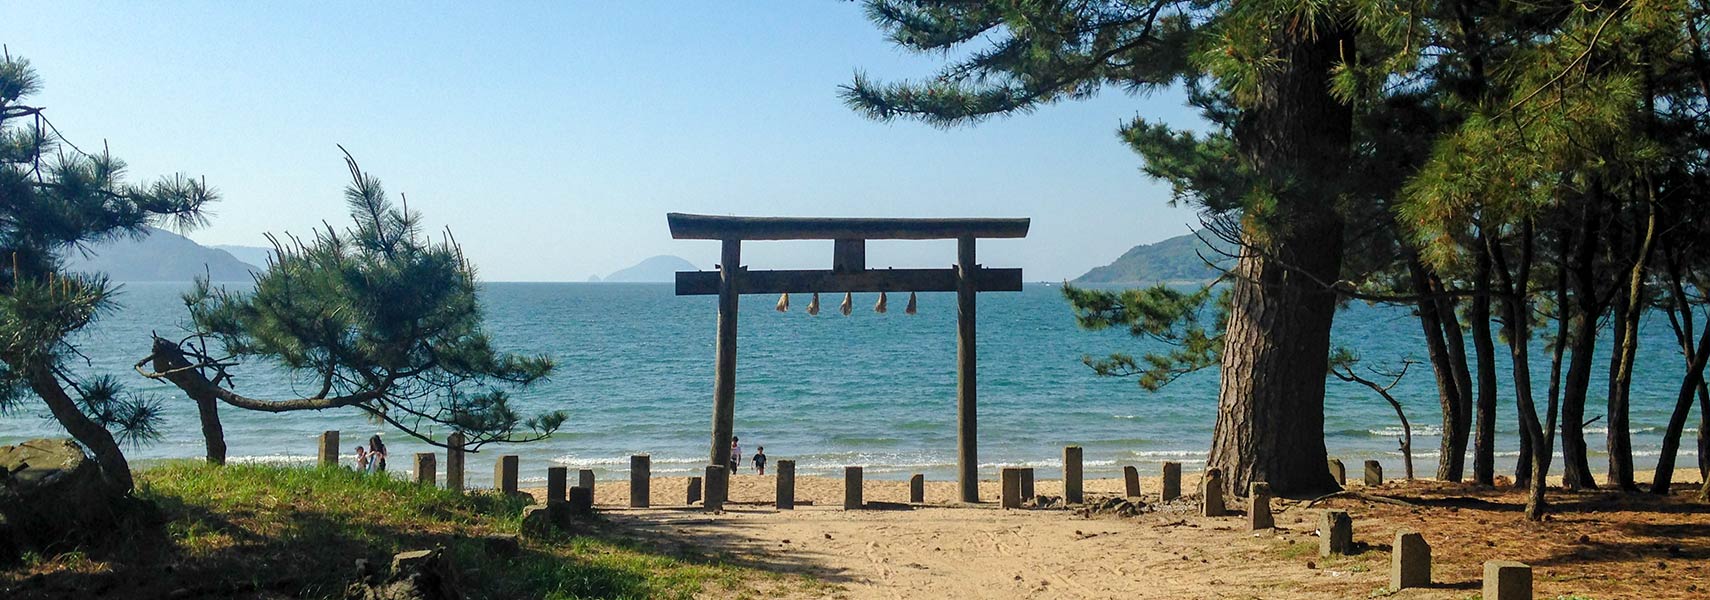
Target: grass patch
{"points": [[261, 530]]}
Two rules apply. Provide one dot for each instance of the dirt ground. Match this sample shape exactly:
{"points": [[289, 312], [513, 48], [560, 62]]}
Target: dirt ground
{"points": [[1597, 544]]}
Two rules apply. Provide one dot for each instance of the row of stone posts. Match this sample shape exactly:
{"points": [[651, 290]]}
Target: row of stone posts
{"points": [[1410, 556], [1374, 473]]}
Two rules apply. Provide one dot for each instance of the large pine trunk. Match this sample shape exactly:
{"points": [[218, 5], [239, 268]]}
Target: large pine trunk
{"points": [[1270, 418], [1576, 461]]}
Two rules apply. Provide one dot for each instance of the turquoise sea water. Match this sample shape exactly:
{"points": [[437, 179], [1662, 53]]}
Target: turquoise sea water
{"points": [[636, 367]]}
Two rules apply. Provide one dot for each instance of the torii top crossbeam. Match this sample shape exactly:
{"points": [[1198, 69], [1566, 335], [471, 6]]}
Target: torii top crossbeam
{"points": [[848, 273]]}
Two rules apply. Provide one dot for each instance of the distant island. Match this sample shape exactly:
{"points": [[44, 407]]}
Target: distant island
{"points": [[159, 256], [658, 269], [1172, 261]]}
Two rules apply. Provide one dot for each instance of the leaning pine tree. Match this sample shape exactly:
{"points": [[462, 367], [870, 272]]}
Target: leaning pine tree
{"points": [[378, 319], [54, 199]]}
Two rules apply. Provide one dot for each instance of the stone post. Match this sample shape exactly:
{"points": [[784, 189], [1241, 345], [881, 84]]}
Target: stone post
{"points": [[454, 461], [917, 489], [1507, 580], [1211, 493], [640, 478], [557, 483], [1409, 561], [694, 492], [786, 485], [328, 449], [585, 478], [716, 482], [1338, 472], [1131, 481], [852, 488], [1009, 479], [505, 474], [1026, 483], [1374, 473], [426, 468], [1072, 475], [581, 500], [1172, 481], [1335, 533], [1259, 506]]}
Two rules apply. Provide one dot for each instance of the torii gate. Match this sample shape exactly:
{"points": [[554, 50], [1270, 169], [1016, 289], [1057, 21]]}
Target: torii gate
{"points": [[848, 273]]}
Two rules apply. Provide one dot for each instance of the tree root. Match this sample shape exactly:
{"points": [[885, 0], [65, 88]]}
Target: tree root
{"points": [[1359, 496]]}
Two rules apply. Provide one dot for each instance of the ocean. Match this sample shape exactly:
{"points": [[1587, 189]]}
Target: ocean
{"points": [[635, 370]]}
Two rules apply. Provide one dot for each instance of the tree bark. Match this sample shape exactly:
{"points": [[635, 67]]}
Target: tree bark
{"points": [[95, 438], [1297, 136], [1664, 478], [1451, 452], [1484, 350], [170, 360], [1516, 304], [1621, 381], [1576, 460]]}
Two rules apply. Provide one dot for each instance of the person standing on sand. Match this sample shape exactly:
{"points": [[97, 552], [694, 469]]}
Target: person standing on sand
{"points": [[735, 454], [760, 459], [361, 459], [377, 454]]}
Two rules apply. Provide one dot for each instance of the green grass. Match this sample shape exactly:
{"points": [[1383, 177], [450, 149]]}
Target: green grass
{"points": [[242, 529]]}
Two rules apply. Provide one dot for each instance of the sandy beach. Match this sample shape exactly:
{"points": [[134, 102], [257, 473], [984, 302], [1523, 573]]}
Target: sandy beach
{"points": [[1593, 545]]}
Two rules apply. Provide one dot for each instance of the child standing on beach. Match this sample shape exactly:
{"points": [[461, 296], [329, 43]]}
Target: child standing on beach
{"points": [[760, 459], [735, 454], [361, 459]]}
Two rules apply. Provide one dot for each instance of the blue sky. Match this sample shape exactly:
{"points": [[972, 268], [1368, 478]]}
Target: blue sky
{"points": [[553, 138]]}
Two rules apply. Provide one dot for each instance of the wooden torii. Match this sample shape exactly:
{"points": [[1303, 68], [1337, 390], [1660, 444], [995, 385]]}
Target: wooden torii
{"points": [[848, 273]]}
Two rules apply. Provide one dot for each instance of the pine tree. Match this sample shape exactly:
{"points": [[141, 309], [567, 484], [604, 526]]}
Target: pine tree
{"points": [[381, 318], [57, 198]]}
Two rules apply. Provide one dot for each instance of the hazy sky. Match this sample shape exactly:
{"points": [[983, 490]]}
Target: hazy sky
{"points": [[553, 138]]}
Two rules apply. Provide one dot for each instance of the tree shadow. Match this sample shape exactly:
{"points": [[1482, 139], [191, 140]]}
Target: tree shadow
{"points": [[311, 554]]}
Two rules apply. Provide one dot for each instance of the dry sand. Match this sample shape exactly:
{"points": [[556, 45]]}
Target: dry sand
{"points": [[1602, 544]]}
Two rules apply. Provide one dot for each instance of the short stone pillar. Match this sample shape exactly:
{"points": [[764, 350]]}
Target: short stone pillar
{"points": [[585, 478], [640, 480], [1131, 481], [1211, 494], [917, 489], [694, 491], [1374, 473], [1072, 475], [581, 500], [852, 488], [1507, 580], [1010, 480], [786, 485], [1338, 472], [426, 468], [1172, 488], [717, 486], [557, 483], [1409, 561], [505, 474], [1026, 483], [1335, 533], [454, 457], [327, 449], [1259, 506]]}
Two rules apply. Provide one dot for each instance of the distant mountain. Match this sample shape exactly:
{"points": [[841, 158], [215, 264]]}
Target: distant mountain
{"points": [[659, 269], [159, 256], [1175, 260], [253, 255]]}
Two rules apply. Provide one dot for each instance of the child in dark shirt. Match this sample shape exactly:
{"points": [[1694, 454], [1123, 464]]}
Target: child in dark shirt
{"points": [[760, 459]]}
